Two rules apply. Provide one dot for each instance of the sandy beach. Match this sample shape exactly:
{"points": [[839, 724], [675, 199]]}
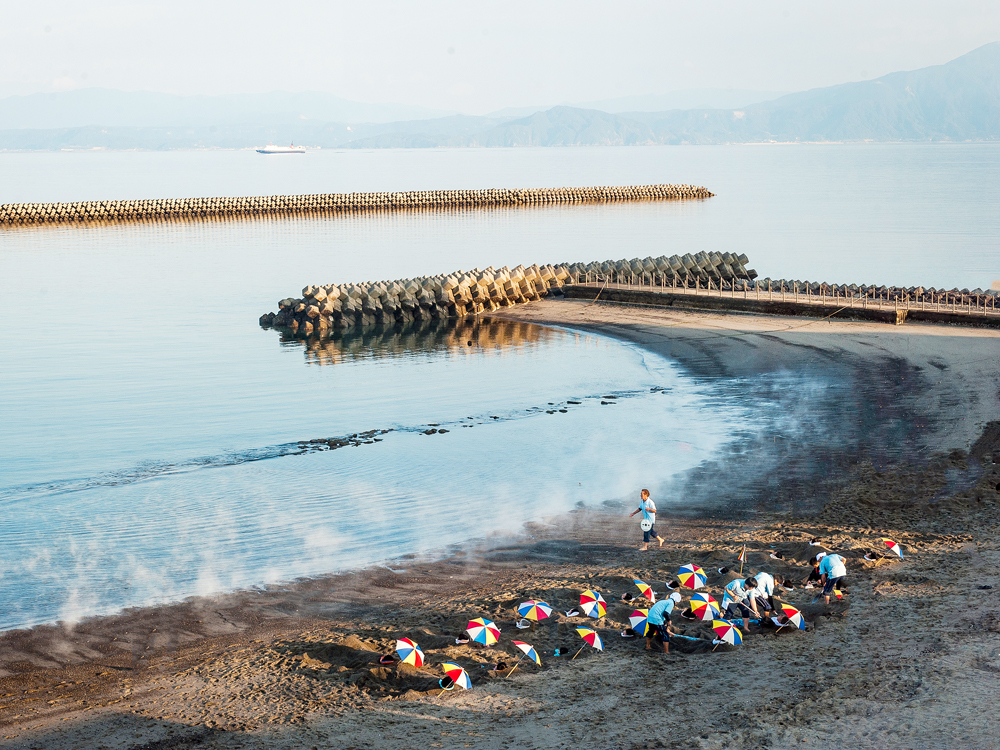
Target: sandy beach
{"points": [[905, 444]]}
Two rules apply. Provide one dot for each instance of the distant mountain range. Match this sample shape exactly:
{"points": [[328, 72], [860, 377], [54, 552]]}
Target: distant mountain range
{"points": [[958, 101]]}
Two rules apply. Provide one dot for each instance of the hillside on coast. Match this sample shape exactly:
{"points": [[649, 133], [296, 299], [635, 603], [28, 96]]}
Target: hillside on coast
{"points": [[957, 101]]}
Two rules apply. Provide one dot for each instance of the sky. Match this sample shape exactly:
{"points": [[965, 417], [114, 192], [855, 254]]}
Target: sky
{"points": [[476, 57]]}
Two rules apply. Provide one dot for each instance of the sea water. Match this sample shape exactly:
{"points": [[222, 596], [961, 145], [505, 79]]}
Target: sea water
{"points": [[151, 434]]}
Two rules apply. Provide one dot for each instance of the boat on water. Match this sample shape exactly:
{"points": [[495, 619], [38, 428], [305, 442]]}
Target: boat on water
{"points": [[290, 149]]}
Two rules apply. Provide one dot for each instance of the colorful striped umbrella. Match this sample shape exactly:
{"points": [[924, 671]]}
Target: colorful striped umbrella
{"points": [[727, 632], [532, 610], [591, 637], [593, 604], [529, 651], [638, 621], [704, 606], [794, 616], [458, 675], [409, 652], [483, 631], [691, 576], [645, 589], [893, 547]]}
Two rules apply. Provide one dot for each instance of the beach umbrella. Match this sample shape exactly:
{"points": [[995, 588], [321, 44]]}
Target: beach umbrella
{"points": [[704, 606], [638, 621], [726, 632], [691, 576], [529, 651], [409, 652], [532, 610], [794, 616], [483, 631], [591, 637], [893, 547], [645, 589], [593, 604], [458, 675]]}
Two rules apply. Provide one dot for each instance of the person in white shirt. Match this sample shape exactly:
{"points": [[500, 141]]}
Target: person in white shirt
{"points": [[763, 593], [737, 602], [648, 509]]}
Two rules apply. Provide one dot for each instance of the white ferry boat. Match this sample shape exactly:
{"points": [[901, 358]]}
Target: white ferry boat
{"points": [[270, 148]]}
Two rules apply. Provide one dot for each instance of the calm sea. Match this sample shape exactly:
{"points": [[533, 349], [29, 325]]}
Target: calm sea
{"points": [[150, 439]]}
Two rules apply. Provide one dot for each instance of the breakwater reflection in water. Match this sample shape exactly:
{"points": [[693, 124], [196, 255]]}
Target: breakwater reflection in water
{"points": [[436, 442]]}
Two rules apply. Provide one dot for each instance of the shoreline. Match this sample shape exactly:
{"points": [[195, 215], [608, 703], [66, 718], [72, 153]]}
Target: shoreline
{"points": [[274, 667]]}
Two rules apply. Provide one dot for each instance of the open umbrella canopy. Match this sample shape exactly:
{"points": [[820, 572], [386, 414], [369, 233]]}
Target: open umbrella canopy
{"points": [[458, 675], [691, 576], [727, 632], [591, 637], [593, 604], [529, 651], [483, 631], [794, 616], [893, 547], [638, 621], [645, 589], [532, 610], [704, 606], [409, 652]]}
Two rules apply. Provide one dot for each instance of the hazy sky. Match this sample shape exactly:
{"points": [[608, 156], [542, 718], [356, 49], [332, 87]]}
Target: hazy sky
{"points": [[477, 56]]}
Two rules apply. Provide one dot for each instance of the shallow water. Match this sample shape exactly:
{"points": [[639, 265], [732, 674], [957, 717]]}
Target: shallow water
{"points": [[149, 445]]}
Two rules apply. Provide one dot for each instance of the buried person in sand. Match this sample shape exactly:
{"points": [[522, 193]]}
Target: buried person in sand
{"points": [[648, 524]]}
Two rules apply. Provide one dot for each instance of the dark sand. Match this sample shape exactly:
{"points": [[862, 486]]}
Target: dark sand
{"points": [[910, 658]]}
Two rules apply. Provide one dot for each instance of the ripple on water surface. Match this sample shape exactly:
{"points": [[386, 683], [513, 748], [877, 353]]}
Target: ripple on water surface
{"points": [[526, 426]]}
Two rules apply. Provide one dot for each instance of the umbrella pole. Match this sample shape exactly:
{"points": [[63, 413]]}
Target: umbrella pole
{"points": [[515, 667], [577, 653], [716, 646]]}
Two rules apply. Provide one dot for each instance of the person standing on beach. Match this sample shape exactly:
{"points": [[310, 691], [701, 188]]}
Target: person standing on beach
{"points": [[648, 509], [832, 571]]}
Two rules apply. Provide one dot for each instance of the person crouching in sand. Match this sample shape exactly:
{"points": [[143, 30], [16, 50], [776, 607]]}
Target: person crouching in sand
{"points": [[648, 509], [658, 619], [833, 570]]}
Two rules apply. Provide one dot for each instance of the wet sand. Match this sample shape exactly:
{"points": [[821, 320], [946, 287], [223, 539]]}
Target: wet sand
{"points": [[909, 658]]}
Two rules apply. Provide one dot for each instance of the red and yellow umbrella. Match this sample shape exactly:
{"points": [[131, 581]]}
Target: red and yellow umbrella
{"points": [[794, 616], [483, 631], [893, 547], [458, 675], [591, 637], [704, 607], [638, 621], [409, 652], [645, 589], [532, 610], [691, 576], [726, 632], [593, 604]]}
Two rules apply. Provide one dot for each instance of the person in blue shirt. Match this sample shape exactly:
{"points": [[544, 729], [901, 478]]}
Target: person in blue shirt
{"points": [[658, 619], [648, 509], [832, 571], [738, 603]]}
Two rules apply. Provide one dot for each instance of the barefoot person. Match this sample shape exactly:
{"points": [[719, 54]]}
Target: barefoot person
{"points": [[832, 571], [648, 509], [658, 619]]}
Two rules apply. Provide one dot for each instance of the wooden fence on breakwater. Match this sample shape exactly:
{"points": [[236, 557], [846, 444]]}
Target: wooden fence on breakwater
{"points": [[22, 214], [884, 304]]}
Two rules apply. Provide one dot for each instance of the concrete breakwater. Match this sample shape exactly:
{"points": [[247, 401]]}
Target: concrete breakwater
{"points": [[814, 299], [19, 214], [340, 306]]}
